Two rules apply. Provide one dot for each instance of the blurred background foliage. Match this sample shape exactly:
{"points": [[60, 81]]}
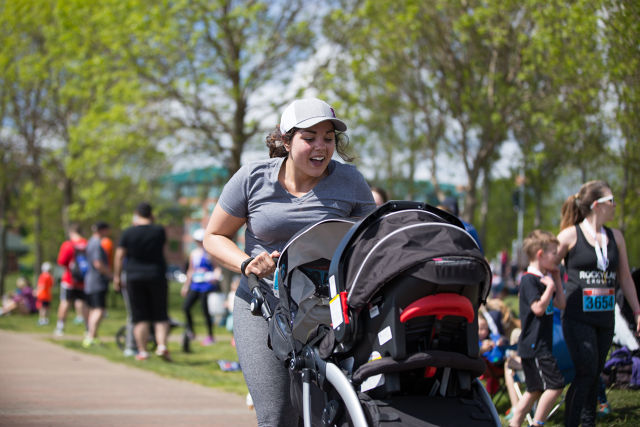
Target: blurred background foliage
{"points": [[98, 100]]}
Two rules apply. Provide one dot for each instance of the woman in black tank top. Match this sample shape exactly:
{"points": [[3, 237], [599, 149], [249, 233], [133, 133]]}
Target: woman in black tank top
{"points": [[596, 261]]}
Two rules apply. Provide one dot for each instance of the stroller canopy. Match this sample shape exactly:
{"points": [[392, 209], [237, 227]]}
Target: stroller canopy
{"points": [[407, 237], [302, 274]]}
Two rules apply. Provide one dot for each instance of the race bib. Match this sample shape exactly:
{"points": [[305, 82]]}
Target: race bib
{"points": [[598, 299]]}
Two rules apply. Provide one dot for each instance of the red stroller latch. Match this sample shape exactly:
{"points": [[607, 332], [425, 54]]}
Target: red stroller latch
{"points": [[345, 307], [439, 305]]}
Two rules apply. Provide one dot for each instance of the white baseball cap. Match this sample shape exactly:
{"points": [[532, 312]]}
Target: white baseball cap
{"points": [[304, 113], [198, 235]]}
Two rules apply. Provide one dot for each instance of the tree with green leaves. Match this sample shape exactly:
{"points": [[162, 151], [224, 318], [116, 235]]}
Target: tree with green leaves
{"points": [[621, 32], [213, 69], [75, 114]]}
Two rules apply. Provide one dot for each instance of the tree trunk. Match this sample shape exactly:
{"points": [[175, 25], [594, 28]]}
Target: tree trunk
{"points": [[3, 241], [67, 199], [37, 235], [484, 204]]}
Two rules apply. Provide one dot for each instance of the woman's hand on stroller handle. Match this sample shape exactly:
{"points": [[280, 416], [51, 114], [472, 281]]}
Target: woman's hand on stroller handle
{"points": [[262, 265]]}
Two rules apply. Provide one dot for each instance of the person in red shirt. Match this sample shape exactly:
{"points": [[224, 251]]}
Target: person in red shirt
{"points": [[43, 293], [71, 290]]}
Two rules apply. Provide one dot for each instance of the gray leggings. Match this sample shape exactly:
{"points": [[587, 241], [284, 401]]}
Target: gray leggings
{"points": [[266, 377]]}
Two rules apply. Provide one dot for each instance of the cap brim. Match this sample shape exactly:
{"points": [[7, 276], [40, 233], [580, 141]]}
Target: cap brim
{"points": [[337, 123]]}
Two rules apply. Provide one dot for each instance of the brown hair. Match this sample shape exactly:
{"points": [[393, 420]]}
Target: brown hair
{"points": [[536, 240], [578, 206], [275, 142]]}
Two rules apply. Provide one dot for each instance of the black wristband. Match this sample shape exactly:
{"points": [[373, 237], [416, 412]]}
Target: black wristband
{"points": [[244, 265]]}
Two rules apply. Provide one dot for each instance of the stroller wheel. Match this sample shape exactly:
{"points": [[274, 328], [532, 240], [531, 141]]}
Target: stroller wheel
{"points": [[121, 337]]}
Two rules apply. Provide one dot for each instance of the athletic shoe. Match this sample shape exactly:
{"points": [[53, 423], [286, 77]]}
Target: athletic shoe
{"points": [[129, 352], [249, 401], [208, 341], [164, 354], [604, 409], [142, 356], [79, 320], [58, 332], [89, 342]]}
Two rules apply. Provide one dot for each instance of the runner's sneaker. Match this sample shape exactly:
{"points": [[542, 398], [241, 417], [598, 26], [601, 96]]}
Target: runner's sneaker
{"points": [[142, 356], [604, 409], [208, 341], [249, 401], [129, 352], [58, 332], [164, 353]]}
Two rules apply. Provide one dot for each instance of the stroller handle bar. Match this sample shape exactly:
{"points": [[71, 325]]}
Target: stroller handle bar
{"points": [[258, 304]]}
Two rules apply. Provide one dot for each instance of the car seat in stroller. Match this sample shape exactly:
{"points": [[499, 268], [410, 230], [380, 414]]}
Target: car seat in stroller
{"points": [[398, 343]]}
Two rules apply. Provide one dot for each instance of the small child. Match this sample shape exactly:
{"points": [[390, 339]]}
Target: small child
{"points": [[43, 293], [22, 301], [491, 345], [542, 376]]}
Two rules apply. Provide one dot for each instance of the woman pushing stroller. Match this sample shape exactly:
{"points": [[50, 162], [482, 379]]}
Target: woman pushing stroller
{"points": [[299, 185]]}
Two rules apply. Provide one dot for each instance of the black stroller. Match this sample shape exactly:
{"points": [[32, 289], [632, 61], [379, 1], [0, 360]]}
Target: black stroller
{"points": [[377, 320]]}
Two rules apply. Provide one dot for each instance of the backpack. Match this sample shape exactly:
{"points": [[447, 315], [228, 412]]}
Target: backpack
{"points": [[80, 264], [622, 370]]}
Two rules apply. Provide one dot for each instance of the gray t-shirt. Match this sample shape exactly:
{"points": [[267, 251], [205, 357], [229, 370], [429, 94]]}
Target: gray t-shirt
{"points": [[274, 215], [95, 281]]}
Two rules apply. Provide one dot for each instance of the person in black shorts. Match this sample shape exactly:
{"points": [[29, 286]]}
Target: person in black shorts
{"points": [[596, 260], [143, 246], [539, 292]]}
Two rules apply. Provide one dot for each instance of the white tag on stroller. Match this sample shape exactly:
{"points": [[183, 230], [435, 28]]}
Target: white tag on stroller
{"points": [[335, 305], [332, 287], [384, 335], [373, 311], [374, 381]]}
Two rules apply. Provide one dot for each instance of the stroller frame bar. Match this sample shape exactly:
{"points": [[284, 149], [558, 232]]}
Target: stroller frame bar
{"points": [[333, 374]]}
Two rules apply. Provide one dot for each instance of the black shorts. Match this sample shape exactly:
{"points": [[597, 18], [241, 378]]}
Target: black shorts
{"points": [[148, 300], [71, 295], [542, 373], [97, 299]]}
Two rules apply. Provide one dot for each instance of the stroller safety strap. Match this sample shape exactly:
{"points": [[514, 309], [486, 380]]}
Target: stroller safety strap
{"points": [[439, 305], [436, 358]]}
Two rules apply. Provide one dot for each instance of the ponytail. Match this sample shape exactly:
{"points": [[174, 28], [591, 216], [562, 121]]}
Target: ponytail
{"points": [[578, 206], [570, 212]]}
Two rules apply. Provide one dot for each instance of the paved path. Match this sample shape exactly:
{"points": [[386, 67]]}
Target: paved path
{"points": [[42, 383]]}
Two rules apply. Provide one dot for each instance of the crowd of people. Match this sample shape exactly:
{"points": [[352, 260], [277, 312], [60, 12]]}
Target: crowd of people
{"points": [[301, 184]]}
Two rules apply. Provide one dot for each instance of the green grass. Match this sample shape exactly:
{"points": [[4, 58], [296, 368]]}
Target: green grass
{"points": [[625, 407], [200, 366]]}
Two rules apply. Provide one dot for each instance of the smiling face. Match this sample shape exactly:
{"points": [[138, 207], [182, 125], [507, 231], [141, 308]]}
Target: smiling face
{"points": [[311, 149]]}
